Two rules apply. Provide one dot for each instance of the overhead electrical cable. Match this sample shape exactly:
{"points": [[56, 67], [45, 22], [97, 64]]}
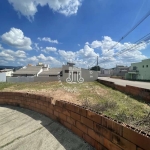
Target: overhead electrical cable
{"points": [[132, 29], [141, 42]]}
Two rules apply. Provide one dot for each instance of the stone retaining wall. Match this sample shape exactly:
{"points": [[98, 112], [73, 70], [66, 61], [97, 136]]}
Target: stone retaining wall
{"points": [[100, 131]]}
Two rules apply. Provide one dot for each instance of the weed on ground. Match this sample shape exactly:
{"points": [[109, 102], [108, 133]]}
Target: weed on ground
{"points": [[92, 95]]}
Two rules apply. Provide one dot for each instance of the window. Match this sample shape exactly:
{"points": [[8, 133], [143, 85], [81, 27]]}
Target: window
{"points": [[134, 67], [147, 66], [61, 73], [143, 66], [66, 71], [74, 72]]}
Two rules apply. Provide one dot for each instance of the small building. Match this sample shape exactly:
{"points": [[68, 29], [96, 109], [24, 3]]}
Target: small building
{"points": [[139, 71], [70, 74], [28, 71], [67, 73], [105, 72], [5, 73], [8, 72], [120, 71]]}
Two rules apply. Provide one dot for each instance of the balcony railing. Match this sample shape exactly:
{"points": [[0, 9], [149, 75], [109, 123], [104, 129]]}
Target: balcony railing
{"points": [[133, 71]]}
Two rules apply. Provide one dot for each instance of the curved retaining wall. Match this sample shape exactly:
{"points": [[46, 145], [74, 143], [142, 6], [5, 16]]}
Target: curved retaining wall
{"points": [[100, 131]]}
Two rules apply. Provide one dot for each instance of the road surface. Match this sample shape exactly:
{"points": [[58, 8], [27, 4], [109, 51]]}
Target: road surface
{"points": [[23, 129], [145, 85]]}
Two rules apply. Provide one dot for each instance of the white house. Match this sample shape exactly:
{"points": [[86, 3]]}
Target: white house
{"points": [[5, 73]]}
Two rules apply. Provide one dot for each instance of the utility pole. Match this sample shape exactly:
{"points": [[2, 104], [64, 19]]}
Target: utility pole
{"points": [[97, 63]]}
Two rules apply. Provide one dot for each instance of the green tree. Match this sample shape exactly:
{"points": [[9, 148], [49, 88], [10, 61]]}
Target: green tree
{"points": [[95, 68]]}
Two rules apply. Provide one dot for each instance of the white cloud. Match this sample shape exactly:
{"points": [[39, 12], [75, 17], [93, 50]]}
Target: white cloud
{"points": [[87, 43], [87, 52], [67, 55], [36, 46], [84, 57], [33, 59], [20, 57], [28, 8], [123, 53], [47, 39], [87, 56], [49, 49], [95, 44], [12, 56], [15, 37], [48, 60]]}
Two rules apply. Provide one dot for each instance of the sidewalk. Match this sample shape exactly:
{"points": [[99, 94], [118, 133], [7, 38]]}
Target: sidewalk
{"points": [[145, 85]]}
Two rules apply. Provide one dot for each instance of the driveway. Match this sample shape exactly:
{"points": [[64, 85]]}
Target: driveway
{"points": [[145, 85], [23, 129]]}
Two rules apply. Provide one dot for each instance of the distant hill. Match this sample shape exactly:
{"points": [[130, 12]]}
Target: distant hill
{"points": [[10, 67]]}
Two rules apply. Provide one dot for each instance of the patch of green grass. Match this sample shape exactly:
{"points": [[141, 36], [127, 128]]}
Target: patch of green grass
{"points": [[35, 85], [4, 85]]}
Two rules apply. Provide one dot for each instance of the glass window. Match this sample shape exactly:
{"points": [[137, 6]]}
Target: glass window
{"points": [[66, 71], [134, 67], [147, 66], [143, 66]]}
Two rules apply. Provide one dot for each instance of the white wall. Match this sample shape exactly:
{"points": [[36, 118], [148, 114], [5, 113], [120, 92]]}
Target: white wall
{"points": [[3, 77], [107, 71], [9, 73], [87, 75]]}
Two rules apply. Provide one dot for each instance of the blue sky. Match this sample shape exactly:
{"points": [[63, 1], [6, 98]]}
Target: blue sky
{"points": [[54, 32]]}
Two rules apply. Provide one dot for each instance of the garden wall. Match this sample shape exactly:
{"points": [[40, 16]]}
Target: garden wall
{"points": [[144, 94], [100, 131], [32, 79]]}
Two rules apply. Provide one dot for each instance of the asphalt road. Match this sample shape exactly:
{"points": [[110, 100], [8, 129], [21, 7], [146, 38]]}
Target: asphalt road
{"points": [[23, 129], [145, 85]]}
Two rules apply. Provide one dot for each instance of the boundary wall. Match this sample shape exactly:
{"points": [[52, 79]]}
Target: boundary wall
{"points": [[100, 131], [31, 79], [142, 93]]}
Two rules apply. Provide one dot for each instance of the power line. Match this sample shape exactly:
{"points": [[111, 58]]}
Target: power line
{"points": [[132, 29], [93, 63], [142, 41]]}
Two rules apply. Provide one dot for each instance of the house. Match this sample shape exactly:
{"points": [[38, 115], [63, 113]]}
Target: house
{"points": [[28, 71], [120, 71], [5, 73], [50, 72], [67, 73], [106, 72], [70, 74], [139, 71]]}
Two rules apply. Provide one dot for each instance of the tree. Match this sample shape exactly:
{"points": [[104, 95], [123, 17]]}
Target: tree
{"points": [[95, 68]]}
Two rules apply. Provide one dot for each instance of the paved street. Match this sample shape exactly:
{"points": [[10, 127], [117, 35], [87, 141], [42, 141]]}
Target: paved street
{"points": [[145, 85], [23, 129]]}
